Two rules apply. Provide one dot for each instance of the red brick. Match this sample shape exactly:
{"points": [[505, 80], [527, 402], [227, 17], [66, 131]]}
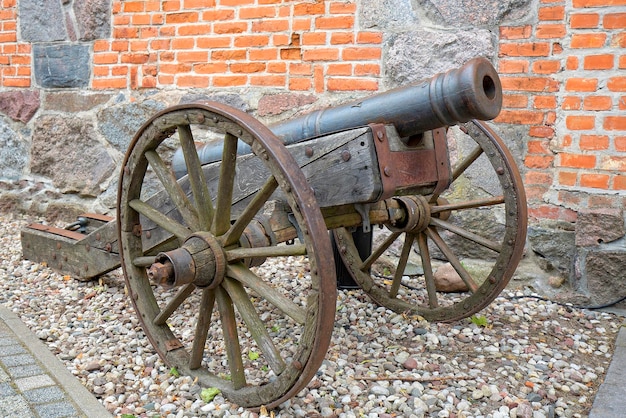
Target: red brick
{"points": [[339, 69], [577, 160], [539, 147], [229, 80], [218, 14], [597, 103], [300, 84], [228, 54], [571, 103], [571, 63], [273, 25], [538, 161], [367, 70], [340, 22], [248, 67], [588, 40], [593, 142], [548, 31], [229, 27], [544, 102], [535, 84], [617, 84], [615, 123], [314, 38], [194, 30], [620, 143], [580, 122], [522, 117], [622, 59], [512, 66], [552, 13], [599, 62], [342, 8], [338, 38], [619, 182], [546, 66], [614, 21], [268, 80], [210, 68], [537, 177], [595, 181], [257, 12], [351, 84], [568, 178], [322, 54], [515, 32], [186, 17], [211, 42], [526, 49], [369, 38], [290, 54], [514, 100], [584, 20], [304, 9], [244, 41], [362, 53], [182, 43], [622, 103], [541, 132], [581, 84], [598, 3]]}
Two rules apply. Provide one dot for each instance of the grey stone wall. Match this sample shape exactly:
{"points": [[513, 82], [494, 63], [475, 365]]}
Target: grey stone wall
{"points": [[61, 144]]}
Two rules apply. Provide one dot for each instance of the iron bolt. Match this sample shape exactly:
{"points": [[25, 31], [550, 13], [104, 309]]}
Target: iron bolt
{"points": [[387, 171], [308, 151], [380, 136], [160, 273], [345, 155]]}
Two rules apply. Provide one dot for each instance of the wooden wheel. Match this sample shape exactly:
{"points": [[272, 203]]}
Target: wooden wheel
{"points": [[218, 314], [476, 228]]}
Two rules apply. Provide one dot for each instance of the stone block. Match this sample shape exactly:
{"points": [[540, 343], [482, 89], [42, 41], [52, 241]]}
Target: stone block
{"points": [[19, 105], [61, 65], [275, 104], [598, 226], [604, 270], [13, 153], [119, 123], [75, 101], [66, 150], [470, 13], [387, 14], [93, 18], [41, 21], [554, 243], [422, 53]]}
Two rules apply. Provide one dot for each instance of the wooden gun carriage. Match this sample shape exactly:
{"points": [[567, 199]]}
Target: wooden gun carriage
{"points": [[243, 237]]}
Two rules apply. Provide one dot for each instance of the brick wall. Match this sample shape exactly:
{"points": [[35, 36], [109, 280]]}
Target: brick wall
{"points": [[298, 46], [564, 77]]}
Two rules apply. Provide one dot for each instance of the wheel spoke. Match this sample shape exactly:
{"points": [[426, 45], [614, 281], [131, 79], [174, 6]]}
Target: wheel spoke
{"points": [[244, 276], [431, 289], [466, 234], [198, 183], [145, 261], [173, 189], [456, 263], [404, 257], [221, 223], [471, 204], [379, 251], [256, 327], [231, 339], [272, 251], [252, 209], [173, 304], [202, 328], [180, 231]]}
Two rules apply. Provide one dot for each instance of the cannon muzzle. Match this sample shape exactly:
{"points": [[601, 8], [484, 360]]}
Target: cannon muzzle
{"points": [[472, 91]]}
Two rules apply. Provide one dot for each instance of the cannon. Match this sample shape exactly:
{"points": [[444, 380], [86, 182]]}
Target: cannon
{"points": [[223, 215]]}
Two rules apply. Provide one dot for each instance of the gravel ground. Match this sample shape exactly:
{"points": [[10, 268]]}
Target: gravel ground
{"points": [[528, 357]]}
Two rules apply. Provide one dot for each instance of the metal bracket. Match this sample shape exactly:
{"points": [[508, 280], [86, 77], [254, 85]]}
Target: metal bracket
{"points": [[364, 211]]}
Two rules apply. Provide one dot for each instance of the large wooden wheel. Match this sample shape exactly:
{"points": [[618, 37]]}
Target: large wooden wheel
{"points": [[208, 306], [476, 228]]}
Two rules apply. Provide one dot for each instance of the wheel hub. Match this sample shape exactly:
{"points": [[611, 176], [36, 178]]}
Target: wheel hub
{"points": [[199, 261]]}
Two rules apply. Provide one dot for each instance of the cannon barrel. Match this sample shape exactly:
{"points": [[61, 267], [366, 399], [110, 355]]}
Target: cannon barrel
{"points": [[472, 91]]}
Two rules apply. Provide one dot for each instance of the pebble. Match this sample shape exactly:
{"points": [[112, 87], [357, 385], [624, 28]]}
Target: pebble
{"points": [[534, 358]]}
